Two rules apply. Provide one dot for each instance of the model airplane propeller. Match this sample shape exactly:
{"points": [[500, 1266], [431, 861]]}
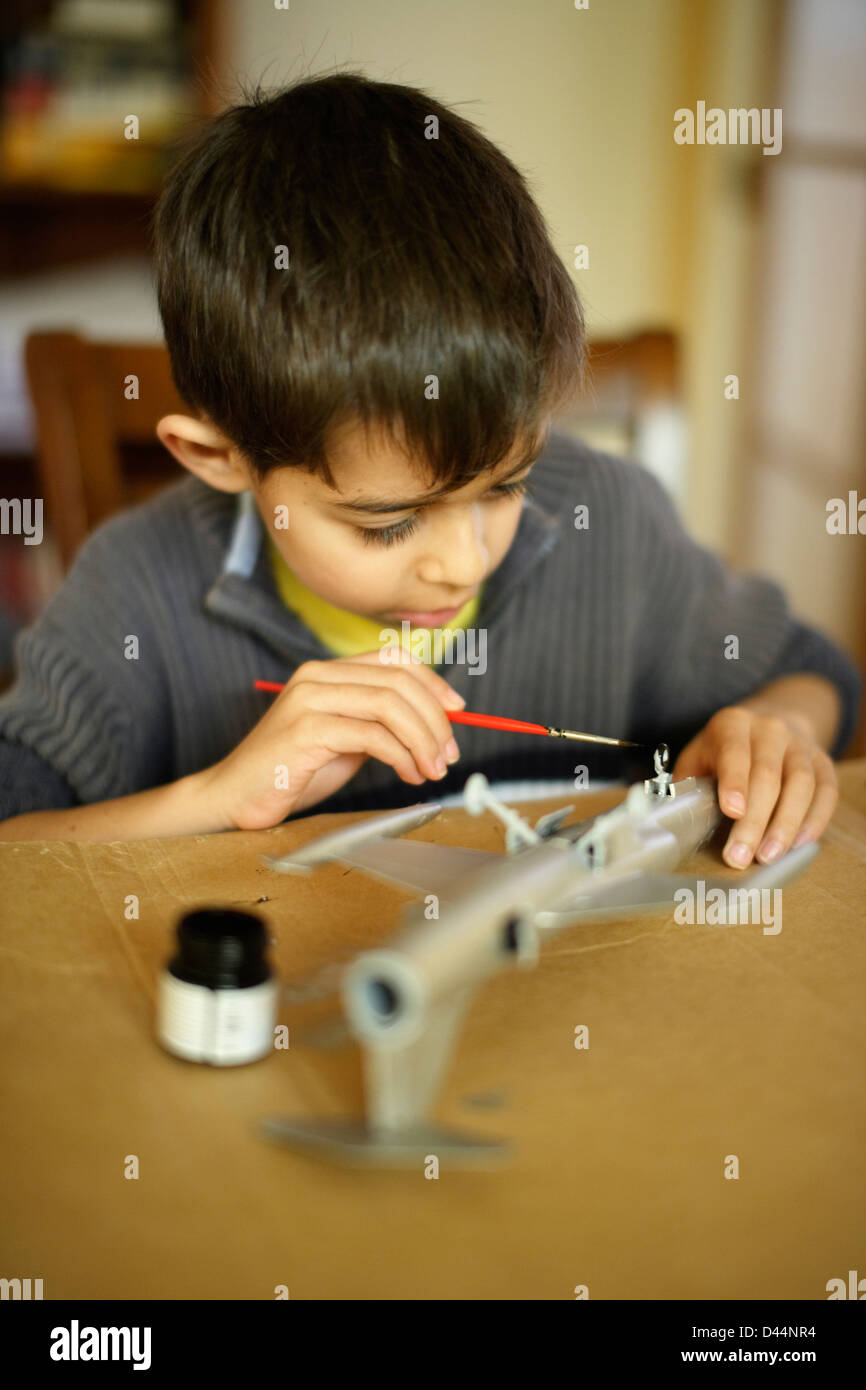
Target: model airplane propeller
{"points": [[404, 1003]]}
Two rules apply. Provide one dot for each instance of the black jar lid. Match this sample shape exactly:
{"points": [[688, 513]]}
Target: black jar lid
{"points": [[221, 949]]}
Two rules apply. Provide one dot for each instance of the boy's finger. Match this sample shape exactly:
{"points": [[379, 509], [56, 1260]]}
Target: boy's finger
{"points": [[823, 804], [357, 736], [361, 668], [416, 694], [798, 788], [733, 765], [395, 655], [765, 782], [424, 690], [423, 694], [382, 704], [695, 760]]}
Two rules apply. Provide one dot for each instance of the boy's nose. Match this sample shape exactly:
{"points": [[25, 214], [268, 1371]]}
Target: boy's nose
{"points": [[458, 545]]}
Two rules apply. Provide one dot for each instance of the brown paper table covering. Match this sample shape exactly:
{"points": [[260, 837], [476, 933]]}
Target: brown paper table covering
{"points": [[704, 1042]]}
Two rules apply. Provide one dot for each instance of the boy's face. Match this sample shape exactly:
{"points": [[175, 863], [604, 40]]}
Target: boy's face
{"points": [[380, 544]]}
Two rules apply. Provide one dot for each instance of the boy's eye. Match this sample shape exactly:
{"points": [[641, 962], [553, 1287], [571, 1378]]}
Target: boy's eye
{"points": [[512, 489], [387, 535]]}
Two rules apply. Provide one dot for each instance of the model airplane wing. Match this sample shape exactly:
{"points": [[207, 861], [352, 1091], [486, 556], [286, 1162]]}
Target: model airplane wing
{"points": [[643, 892], [371, 845], [419, 866]]}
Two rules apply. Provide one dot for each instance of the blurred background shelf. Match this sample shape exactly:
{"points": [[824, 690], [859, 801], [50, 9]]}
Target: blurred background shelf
{"points": [[76, 199], [44, 227], [93, 94]]}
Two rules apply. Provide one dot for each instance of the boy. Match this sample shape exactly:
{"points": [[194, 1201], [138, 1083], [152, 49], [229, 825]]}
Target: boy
{"points": [[372, 331]]}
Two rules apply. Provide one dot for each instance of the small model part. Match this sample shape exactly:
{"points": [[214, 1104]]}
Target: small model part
{"points": [[662, 783], [478, 798]]}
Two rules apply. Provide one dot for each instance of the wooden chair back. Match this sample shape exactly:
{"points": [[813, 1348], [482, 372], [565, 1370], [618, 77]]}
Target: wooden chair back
{"points": [[96, 406]]}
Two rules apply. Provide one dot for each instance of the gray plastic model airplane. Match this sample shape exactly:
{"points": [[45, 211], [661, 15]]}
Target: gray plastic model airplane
{"points": [[404, 1003]]}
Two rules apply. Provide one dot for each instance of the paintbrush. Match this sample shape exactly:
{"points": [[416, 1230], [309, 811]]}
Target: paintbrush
{"points": [[514, 726]]}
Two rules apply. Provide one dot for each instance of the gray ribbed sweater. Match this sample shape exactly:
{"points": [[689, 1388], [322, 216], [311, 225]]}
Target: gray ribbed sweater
{"points": [[618, 629]]}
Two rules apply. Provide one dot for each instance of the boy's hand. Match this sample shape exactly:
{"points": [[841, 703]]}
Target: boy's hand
{"points": [[332, 715], [774, 780]]}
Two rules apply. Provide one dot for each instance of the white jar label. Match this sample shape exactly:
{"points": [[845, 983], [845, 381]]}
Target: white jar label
{"points": [[221, 1026]]}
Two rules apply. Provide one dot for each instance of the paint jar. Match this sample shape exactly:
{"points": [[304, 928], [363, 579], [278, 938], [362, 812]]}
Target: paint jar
{"points": [[217, 998]]}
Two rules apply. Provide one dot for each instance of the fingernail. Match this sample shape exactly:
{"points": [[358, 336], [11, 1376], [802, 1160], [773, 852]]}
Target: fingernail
{"points": [[735, 802], [738, 855], [804, 838], [769, 851], [452, 752], [441, 767], [455, 701]]}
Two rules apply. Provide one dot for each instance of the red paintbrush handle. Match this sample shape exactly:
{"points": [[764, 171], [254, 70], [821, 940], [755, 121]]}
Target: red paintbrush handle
{"points": [[494, 721], [457, 716]]}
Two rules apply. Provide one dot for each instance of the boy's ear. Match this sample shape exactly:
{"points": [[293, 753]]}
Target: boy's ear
{"points": [[205, 451]]}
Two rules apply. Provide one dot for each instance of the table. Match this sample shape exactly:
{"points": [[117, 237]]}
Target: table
{"points": [[704, 1042]]}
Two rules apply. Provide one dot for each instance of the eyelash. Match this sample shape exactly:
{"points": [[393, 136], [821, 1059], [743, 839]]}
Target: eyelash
{"points": [[388, 535]]}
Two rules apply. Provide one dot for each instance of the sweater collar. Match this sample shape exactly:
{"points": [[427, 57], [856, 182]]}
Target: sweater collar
{"points": [[244, 592]]}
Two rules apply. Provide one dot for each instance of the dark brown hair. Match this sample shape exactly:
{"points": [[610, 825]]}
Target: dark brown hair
{"points": [[408, 257]]}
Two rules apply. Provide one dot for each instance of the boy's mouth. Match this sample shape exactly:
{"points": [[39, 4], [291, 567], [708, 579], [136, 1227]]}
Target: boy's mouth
{"points": [[430, 618]]}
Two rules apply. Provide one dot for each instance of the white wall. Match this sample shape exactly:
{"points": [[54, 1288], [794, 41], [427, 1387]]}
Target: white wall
{"points": [[580, 100]]}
